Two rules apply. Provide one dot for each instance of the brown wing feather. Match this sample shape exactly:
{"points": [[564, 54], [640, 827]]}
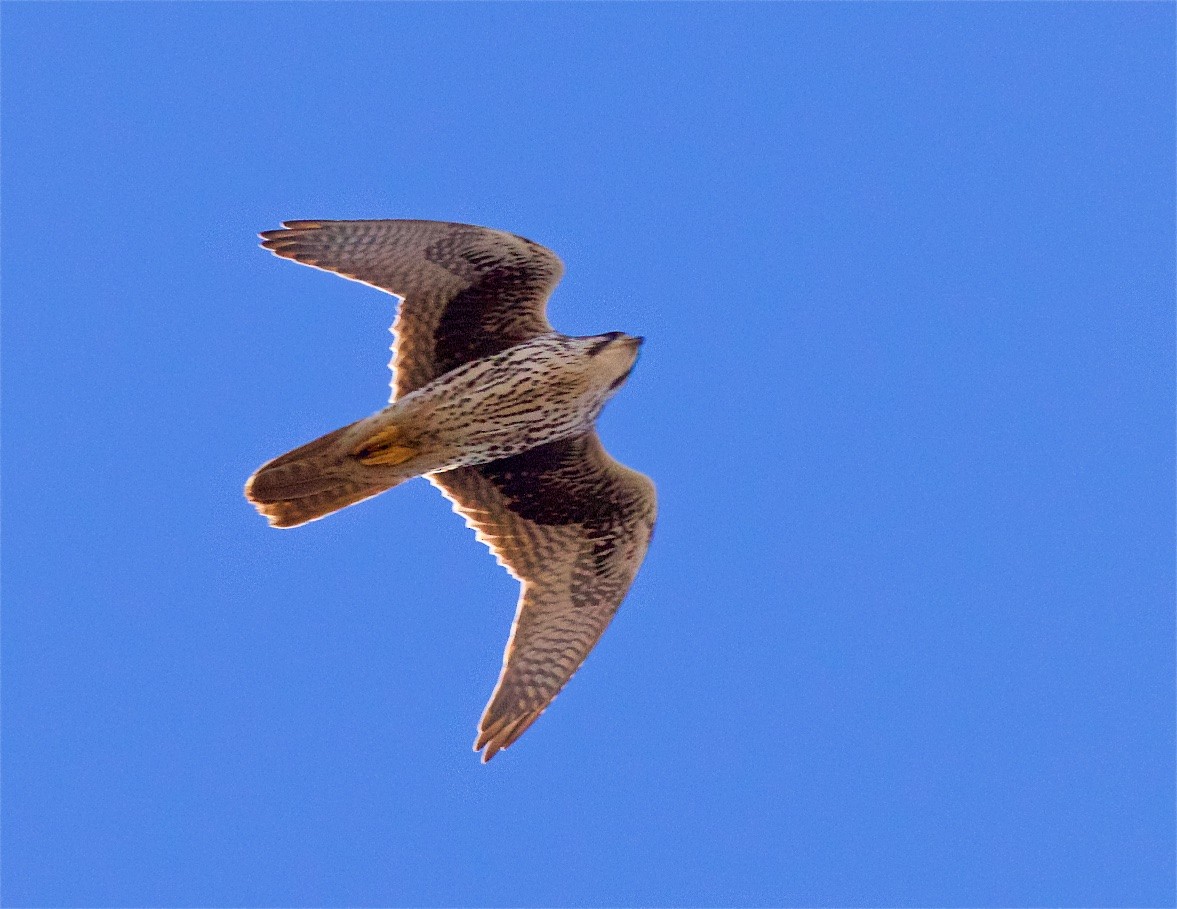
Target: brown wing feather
{"points": [[466, 291], [572, 525]]}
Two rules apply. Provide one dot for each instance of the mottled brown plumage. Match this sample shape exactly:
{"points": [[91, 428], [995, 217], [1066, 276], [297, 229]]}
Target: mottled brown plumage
{"points": [[497, 410]]}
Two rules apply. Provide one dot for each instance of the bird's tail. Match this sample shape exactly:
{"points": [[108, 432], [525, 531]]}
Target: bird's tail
{"points": [[317, 479]]}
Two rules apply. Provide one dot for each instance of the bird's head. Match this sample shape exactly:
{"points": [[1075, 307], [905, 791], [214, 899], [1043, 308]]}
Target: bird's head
{"points": [[611, 358]]}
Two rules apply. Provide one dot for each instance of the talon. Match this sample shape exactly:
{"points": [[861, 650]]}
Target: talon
{"points": [[385, 448]]}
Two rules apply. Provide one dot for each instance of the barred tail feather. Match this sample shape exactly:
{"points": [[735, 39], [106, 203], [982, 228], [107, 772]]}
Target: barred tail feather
{"points": [[313, 481]]}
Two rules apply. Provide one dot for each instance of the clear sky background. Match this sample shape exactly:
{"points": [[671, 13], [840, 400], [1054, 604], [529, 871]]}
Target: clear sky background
{"points": [[906, 633]]}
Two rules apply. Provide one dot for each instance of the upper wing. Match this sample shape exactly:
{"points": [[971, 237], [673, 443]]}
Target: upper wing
{"points": [[466, 292], [572, 525]]}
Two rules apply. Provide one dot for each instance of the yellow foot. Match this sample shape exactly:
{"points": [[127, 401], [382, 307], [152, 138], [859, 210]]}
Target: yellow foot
{"points": [[386, 448]]}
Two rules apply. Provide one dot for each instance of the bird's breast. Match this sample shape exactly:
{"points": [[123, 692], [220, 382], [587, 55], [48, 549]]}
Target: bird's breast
{"points": [[499, 407]]}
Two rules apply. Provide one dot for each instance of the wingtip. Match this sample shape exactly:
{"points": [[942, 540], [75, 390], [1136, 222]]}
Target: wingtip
{"points": [[278, 242], [288, 229], [483, 741], [489, 742], [302, 224], [502, 734]]}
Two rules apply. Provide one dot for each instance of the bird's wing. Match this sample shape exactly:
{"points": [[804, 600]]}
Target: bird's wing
{"points": [[572, 525], [466, 292]]}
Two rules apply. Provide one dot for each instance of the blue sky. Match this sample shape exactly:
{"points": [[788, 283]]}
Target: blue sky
{"points": [[906, 633]]}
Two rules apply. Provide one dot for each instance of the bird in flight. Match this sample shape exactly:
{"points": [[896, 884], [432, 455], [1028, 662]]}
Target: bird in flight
{"points": [[496, 409]]}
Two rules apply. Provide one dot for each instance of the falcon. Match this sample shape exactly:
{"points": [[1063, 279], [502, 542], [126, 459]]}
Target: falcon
{"points": [[496, 409]]}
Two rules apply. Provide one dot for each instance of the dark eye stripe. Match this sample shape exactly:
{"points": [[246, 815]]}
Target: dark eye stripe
{"points": [[599, 346], [616, 383]]}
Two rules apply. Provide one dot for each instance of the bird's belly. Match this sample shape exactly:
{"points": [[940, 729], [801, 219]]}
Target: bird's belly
{"points": [[474, 422], [465, 437]]}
